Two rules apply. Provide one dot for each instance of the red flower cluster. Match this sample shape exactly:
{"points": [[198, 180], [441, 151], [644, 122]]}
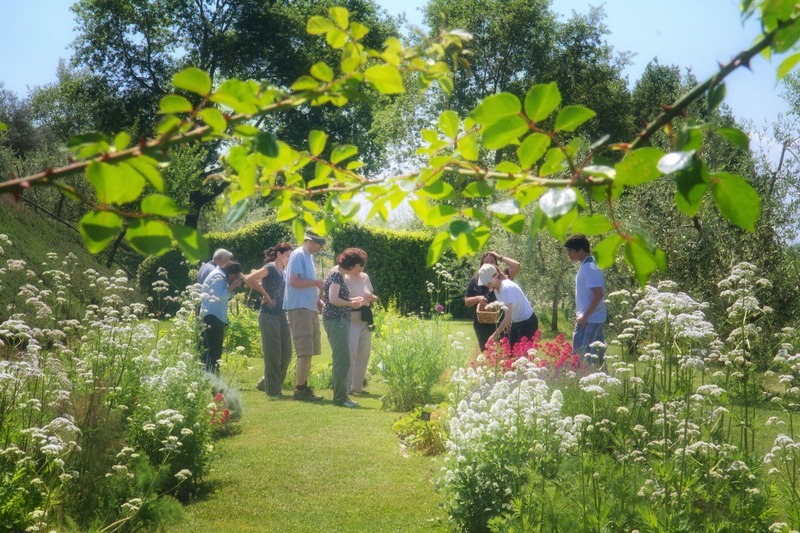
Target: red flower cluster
{"points": [[220, 414], [555, 354]]}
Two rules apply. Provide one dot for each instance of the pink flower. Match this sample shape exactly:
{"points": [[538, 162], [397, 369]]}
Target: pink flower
{"points": [[439, 308]]}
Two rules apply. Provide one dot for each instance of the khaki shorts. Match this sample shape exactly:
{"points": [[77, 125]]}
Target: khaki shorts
{"points": [[304, 325]]}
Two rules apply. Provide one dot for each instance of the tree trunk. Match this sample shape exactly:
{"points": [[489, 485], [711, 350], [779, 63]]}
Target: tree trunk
{"points": [[556, 301], [112, 252]]}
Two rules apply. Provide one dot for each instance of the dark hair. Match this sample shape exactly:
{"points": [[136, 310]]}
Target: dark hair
{"points": [[483, 258], [272, 252], [577, 241], [232, 268], [351, 257]]}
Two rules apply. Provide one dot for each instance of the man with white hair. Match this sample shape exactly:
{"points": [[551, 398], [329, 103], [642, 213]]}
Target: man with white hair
{"points": [[221, 258]]}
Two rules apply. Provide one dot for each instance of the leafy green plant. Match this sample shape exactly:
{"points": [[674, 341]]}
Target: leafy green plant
{"points": [[412, 355], [422, 429]]}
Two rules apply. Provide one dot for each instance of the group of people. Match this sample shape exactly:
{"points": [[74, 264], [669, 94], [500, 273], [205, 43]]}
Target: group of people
{"points": [[519, 320], [292, 298]]}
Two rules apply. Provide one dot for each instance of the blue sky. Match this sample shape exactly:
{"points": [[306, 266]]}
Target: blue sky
{"points": [[35, 34]]}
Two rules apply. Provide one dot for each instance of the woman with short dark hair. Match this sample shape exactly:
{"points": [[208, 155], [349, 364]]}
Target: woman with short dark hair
{"points": [[336, 310]]}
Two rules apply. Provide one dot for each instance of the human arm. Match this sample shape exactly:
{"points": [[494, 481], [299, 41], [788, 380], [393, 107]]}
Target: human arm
{"points": [[298, 282], [334, 299], [505, 325], [472, 301], [511, 264], [597, 297], [254, 281]]}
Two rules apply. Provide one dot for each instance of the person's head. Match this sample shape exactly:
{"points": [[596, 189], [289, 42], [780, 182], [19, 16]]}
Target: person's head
{"points": [[351, 259], [490, 276], [279, 251], [577, 246], [488, 259], [221, 257], [232, 270], [312, 242]]}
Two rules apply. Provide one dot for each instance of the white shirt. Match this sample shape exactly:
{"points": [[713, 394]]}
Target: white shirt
{"points": [[510, 293]]}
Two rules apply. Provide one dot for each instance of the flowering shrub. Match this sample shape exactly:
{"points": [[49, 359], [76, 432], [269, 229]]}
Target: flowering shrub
{"points": [[555, 355], [100, 417], [219, 415]]}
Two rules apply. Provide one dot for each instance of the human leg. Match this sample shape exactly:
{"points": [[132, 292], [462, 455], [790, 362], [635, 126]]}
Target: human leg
{"points": [[338, 330], [483, 332], [285, 350], [360, 348], [214, 336], [271, 349], [582, 339], [302, 323]]}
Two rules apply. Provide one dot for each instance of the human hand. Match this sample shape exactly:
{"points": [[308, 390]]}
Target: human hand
{"points": [[356, 302], [582, 320]]}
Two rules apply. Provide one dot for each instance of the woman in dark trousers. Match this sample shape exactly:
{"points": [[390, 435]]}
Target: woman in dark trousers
{"points": [[479, 296]]}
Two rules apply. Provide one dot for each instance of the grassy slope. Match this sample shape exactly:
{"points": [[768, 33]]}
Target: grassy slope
{"points": [[33, 236]]}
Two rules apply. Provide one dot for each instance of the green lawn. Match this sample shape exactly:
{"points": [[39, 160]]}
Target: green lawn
{"points": [[315, 467]]}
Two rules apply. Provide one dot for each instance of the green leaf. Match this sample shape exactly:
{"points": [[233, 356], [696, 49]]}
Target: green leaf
{"points": [[736, 199], [505, 131], [149, 237], [214, 118], [495, 108], [638, 167], [193, 245], [340, 153], [266, 143], [316, 141], [336, 38], [558, 202], [692, 184], [477, 189], [592, 225], [237, 212], [640, 259], [449, 123], [439, 190], [148, 168], [736, 136], [385, 78], [716, 94], [305, 83], [98, 229], [162, 205], [606, 250], [513, 223], [432, 215], [340, 16], [321, 172], [441, 242], [105, 180], [553, 162], [322, 72], [572, 116], [122, 141], [468, 147], [787, 65], [532, 149], [317, 25], [3, 126], [542, 100], [173, 103], [193, 80], [358, 31]]}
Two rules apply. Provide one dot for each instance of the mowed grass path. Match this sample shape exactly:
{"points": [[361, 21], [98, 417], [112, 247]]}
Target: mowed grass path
{"points": [[314, 467]]}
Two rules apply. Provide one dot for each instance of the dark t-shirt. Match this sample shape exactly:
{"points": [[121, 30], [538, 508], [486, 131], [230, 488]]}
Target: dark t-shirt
{"points": [[473, 289], [330, 310], [275, 285]]}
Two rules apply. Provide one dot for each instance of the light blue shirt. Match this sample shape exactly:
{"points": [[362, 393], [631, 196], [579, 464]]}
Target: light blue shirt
{"points": [[301, 263], [214, 298], [589, 276]]}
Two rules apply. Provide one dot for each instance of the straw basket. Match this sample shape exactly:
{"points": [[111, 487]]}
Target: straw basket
{"points": [[488, 317]]}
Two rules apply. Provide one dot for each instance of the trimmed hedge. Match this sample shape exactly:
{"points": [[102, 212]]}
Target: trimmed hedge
{"points": [[247, 244], [396, 262]]}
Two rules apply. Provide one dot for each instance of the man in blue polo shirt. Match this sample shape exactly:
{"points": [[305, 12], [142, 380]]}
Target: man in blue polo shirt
{"points": [[590, 306]]}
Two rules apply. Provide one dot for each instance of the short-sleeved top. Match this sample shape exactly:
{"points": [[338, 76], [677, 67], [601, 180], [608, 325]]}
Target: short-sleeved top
{"points": [[510, 293], [359, 286], [214, 297], [301, 263], [274, 283], [205, 270], [473, 289], [589, 276], [334, 311]]}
